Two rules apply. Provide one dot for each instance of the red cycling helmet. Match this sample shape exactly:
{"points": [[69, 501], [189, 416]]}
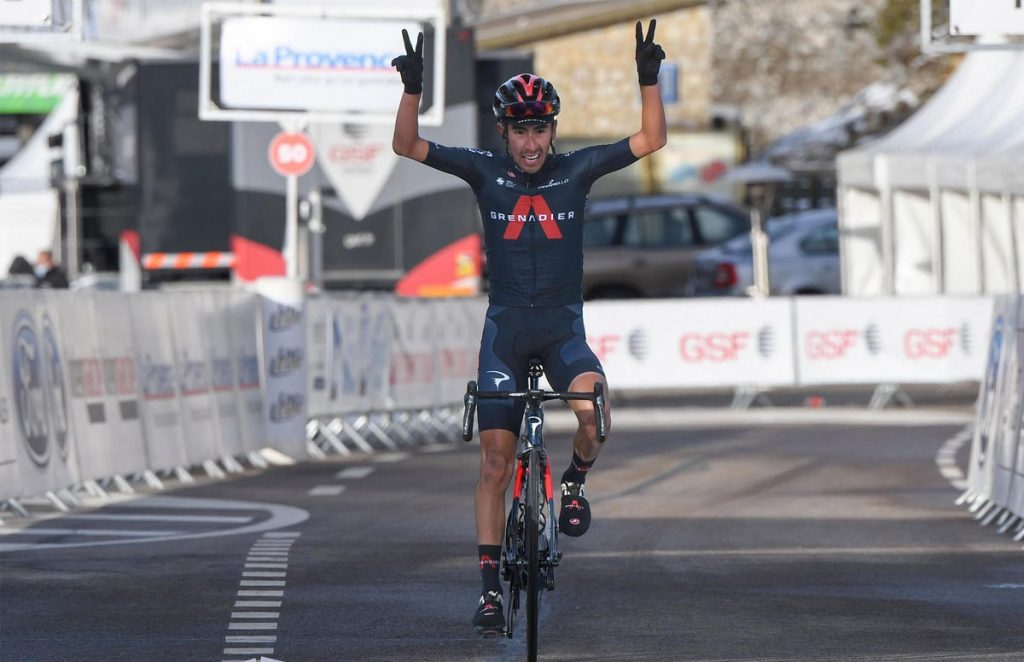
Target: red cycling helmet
{"points": [[526, 98]]}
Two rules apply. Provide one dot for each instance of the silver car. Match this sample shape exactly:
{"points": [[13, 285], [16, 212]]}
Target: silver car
{"points": [[803, 258]]}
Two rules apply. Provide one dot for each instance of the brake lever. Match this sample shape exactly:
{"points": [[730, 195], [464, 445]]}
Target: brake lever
{"points": [[469, 411]]}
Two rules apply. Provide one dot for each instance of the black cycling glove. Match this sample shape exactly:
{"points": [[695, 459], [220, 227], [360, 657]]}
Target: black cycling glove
{"points": [[410, 65], [648, 55]]}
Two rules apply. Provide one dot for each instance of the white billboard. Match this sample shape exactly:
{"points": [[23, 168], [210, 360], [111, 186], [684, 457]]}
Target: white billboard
{"points": [[326, 63], [986, 17], [336, 65]]}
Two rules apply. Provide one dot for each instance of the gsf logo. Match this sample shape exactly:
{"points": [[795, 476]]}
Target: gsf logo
{"points": [[716, 347], [831, 344], [929, 343]]}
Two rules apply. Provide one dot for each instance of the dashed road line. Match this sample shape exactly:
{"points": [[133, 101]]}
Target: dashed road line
{"points": [[945, 458], [327, 490], [253, 615], [354, 472], [384, 458]]}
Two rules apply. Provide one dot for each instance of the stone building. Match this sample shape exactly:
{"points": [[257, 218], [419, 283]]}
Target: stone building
{"points": [[767, 67]]}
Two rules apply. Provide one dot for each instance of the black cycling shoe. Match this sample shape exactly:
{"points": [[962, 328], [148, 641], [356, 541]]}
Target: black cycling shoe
{"points": [[489, 617], [574, 520]]}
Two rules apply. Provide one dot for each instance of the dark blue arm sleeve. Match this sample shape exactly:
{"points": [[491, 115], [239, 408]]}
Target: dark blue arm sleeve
{"points": [[607, 158], [465, 163]]}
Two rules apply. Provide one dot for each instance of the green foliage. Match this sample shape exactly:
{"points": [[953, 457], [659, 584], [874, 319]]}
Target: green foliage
{"points": [[896, 19]]}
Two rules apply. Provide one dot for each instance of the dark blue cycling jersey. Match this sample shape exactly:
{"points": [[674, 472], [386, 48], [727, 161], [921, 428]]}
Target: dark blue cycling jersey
{"points": [[533, 224]]}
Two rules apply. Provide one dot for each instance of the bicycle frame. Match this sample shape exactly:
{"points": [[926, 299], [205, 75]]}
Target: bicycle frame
{"points": [[531, 454]]}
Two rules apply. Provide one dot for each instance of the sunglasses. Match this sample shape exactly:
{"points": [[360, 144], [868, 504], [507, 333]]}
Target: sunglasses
{"points": [[529, 109]]}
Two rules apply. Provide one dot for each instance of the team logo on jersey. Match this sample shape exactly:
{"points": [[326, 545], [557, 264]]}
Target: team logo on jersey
{"points": [[529, 209]]}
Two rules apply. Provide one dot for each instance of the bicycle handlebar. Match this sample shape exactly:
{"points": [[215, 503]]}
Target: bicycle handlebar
{"points": [[473, 394]]}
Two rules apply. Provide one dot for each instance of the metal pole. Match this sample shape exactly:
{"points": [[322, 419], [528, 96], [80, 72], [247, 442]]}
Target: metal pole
{"points": [[316, 238], [291, 227], [759, 249]]}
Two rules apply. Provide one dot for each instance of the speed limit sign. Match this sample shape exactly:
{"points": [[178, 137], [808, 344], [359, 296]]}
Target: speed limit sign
{"points": [[291, 154]]}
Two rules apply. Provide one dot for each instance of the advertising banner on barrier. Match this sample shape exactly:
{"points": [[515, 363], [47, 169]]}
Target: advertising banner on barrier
{"points": [[414, 374], [981, 467], [221, 352], [998, 429], [692, 343], [1016, 419], [113, 315], [319, 375], [349, 365], [10, 482], [158, 378], [283, 360], [87, 406], [198, 414], [376, 341], [899, 341], [38, 387], [460, 325], [244, 313]]}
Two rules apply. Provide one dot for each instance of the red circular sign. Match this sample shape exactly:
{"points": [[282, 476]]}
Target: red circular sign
{"points": [[291, 154]]}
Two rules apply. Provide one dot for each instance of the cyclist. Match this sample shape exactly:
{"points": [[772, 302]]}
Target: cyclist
{"points": [[531, 202]]}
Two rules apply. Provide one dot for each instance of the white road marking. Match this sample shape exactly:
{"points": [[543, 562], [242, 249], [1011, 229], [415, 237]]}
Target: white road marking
{"points": [[391, 457], [945, 458], [250, 639], [1006, 586], [248, 651], [260, 582], [39, 531], [255, 614], [263, 574], [327, 490], [281, 516], [257, 603], [201, 519], [260, 594], [252, 626], [266, 565], [354, 472], [438, 448]]}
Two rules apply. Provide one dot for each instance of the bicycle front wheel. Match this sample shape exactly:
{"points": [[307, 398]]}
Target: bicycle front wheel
{"points": [[534, 502]]}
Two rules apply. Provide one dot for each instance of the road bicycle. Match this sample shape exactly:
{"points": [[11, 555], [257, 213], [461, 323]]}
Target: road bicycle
{"points": [[530, 551]]}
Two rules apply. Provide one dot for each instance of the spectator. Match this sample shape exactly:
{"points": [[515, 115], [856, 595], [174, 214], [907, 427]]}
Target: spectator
{"points": [[20, 273], [48, 274]]}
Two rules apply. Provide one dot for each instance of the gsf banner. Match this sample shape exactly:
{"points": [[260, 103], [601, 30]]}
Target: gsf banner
{"points": [[900, 341], [683, 344]]}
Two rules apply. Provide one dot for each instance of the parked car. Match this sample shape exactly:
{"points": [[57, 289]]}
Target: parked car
{"points": [[803, 258], [643, 246]]}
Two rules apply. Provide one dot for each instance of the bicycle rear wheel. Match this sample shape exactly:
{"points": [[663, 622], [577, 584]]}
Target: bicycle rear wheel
{"points": [[534, 502]]}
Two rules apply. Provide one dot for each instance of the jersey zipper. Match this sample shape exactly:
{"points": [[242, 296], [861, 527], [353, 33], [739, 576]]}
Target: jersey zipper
{"points": [[533, 248]]}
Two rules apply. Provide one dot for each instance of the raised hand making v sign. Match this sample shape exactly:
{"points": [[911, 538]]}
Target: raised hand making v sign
{"points": [[410, 65], [648, 54]]}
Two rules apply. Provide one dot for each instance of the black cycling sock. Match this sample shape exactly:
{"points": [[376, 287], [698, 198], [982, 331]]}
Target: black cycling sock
{"points": [[490, 556], [577, 471]]}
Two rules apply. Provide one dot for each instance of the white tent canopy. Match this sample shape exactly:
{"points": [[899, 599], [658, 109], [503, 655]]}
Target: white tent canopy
{"points": [[937, 206]]}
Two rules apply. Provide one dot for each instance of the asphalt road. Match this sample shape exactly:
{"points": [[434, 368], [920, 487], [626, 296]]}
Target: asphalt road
{"points": [[749, 540]]}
